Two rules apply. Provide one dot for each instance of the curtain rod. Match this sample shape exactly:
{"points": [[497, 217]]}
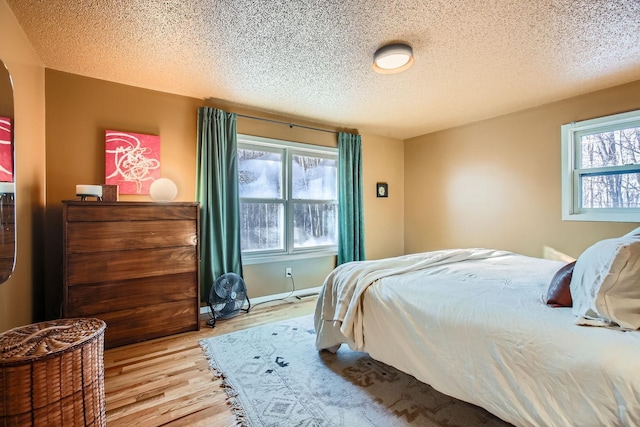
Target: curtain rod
{"points": [[291, 125]]}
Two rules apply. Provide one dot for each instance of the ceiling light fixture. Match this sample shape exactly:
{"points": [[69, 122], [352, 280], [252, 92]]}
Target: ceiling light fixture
{"points": [[393, 58]]}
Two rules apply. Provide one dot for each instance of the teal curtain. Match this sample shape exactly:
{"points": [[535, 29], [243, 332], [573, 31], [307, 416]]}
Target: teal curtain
{"points": [[217, 192], [350, 210]]}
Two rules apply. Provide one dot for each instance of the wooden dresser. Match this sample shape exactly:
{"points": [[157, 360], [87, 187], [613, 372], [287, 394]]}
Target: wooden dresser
{"points": [[7, 235], [133, 265]]}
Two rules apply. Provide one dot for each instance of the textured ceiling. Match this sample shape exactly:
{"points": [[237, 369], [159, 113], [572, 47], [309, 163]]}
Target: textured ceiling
{"points": [[311, 59]]}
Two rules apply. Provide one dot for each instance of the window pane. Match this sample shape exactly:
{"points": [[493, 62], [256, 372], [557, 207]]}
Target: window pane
{"points": [[616, 190], [314, 178], [260, 174], [261, 226], [614, 148], [314, 225]]}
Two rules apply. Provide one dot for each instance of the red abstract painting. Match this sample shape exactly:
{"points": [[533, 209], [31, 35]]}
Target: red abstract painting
{"points": [[6, 150], [132, 161]]}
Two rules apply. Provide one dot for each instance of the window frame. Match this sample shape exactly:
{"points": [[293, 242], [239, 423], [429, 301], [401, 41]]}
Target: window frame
{"points": [[289, 149], [571, 194]]}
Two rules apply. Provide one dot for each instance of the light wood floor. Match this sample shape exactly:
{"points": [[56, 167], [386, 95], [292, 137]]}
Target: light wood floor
{"points": [[167, 381]]}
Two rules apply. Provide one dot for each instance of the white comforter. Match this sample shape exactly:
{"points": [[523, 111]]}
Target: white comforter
{"points": [[473, 324], [344, 286]]}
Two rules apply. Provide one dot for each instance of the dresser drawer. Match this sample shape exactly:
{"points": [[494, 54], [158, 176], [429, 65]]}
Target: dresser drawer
{"points": [[125, 235], [96, 298], [144, 323], [133, 211], [96, 267]]}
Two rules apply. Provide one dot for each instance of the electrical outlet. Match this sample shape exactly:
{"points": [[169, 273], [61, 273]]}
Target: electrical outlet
{"points": [[287, 272]]}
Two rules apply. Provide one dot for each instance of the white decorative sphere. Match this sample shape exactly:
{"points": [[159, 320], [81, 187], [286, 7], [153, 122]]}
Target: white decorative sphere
{"points": [[163, 190]]}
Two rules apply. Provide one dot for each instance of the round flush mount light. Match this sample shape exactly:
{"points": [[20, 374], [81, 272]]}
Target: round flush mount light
{"points": [[393, 58]]}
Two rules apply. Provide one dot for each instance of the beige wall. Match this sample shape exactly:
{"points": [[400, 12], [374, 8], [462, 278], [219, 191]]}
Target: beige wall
{"points": [[496, 183], [383, 160], [20, 296], [80, 109]]}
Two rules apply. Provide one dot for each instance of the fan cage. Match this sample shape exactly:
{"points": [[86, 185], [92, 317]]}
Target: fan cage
{"points": [[227, 296]]}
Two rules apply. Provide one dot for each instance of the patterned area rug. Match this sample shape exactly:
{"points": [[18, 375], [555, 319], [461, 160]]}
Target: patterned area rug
{"points": [[275, 377]]}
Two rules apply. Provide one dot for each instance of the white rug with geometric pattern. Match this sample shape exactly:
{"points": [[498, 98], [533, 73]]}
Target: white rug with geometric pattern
{"points": [[275, 377]]}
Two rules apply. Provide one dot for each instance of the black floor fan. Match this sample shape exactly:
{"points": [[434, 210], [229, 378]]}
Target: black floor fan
{"points": [[227, 297]]}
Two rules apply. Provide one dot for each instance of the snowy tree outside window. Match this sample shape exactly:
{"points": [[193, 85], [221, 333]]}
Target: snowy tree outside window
{"points": [[288, 197], [608, 186], [601, 168]]}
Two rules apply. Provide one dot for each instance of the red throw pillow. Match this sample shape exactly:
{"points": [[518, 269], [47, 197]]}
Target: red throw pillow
{"points": [[559, 293]]}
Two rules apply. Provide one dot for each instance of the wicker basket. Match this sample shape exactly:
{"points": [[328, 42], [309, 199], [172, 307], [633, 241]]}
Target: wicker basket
{"points": [[52, 374]]}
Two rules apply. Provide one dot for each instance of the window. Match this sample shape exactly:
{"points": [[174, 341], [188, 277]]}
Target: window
{"points": [[601, 169], [288, 198]]}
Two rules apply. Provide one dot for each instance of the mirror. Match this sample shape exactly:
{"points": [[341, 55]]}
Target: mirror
{"points": [[7, 178]]}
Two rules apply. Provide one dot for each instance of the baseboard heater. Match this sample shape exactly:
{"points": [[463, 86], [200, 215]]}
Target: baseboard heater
{"points": [[299, 294]]}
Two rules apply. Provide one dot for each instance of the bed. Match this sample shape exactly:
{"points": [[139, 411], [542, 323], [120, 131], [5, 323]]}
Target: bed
{"points": [[475, 325]]}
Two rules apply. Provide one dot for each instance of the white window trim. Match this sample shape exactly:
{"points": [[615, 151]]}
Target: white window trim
{"points": [[249, 258], [570, 176]]}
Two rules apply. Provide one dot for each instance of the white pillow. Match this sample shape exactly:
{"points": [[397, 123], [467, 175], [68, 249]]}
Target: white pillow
{"points": [[605, 286], [633, 233]]}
